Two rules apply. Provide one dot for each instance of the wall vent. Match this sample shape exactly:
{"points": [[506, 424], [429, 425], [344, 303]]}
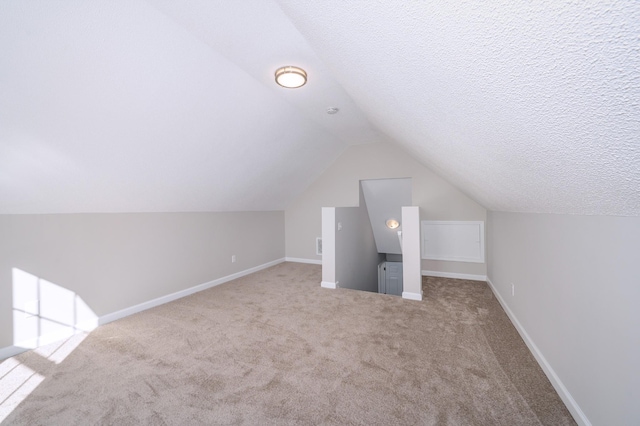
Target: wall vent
{"points": [[319, 246]]}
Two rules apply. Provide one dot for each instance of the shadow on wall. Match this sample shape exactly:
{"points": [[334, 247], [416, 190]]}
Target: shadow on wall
{"points": [[44, 314]]}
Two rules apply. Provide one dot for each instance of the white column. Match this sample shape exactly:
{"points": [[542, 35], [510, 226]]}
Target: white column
{"points": [[411, 275], [328, 247]]}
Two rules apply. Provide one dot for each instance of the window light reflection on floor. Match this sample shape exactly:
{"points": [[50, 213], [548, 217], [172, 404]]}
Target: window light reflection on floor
{"points": [[48, 318]]}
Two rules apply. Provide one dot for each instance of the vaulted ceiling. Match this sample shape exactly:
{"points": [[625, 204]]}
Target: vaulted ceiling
{"points": [[161, 105]]}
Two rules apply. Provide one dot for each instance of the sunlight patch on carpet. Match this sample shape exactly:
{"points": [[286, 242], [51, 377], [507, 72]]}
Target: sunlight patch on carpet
{"points": [[17, 381]]}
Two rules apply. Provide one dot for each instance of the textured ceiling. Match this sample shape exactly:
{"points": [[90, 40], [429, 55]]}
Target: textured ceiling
{"points": [[170, 106], [526, 106]]}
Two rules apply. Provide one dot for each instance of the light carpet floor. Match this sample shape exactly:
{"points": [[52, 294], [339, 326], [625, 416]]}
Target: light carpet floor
{"points": [[276, 348]]}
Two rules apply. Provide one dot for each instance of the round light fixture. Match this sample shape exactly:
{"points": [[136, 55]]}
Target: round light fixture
{"points": [[392, 223], [291, 77]]}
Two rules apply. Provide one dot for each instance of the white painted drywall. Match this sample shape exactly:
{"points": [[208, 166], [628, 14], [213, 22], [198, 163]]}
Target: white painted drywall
{"points": [[412, 278], [115, 261], [577, 295], [143, 106], [453, 240], [329, 247], [339, 186], [357, 257], [384, 199]]}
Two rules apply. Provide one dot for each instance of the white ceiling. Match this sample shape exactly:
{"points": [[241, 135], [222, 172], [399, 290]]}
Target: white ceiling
{"points": [[160, 105], [530, 106]]}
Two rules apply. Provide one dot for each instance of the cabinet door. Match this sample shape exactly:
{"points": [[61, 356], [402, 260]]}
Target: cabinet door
{"points": [[394, 278]]}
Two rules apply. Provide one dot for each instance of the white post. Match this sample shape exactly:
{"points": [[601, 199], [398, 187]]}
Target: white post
{"points": [[411, 267], [328, 247]]}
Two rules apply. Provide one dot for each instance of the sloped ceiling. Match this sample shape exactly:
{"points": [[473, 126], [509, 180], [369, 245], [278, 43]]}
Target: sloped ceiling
{"points": [[171, 106], [127, 106], [526, 106]]}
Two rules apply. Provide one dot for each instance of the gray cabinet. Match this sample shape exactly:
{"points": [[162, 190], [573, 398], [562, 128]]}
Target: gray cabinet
{"points": [[390, 278]]}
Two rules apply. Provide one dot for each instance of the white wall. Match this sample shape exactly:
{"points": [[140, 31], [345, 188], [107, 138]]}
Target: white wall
{"points": [[339, 186], [114, 261], [356, 255], [577, 296]]}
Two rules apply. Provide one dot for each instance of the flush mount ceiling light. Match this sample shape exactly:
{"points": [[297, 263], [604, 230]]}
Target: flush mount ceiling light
{"points": [[291, 77], [392, 223]]}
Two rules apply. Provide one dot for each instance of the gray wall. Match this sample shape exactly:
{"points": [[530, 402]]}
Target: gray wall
{"points": [[114, 261], [384, 199], [339, 186], [356, 253], [577, 295]]}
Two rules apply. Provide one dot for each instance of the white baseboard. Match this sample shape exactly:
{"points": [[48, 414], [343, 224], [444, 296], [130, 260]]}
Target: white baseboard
{"points": [[454, 275], [57, 334], [301, 260], [411, 296], [563, 392], [10, 351], [328, 284], [182, 293], [15, 350]]}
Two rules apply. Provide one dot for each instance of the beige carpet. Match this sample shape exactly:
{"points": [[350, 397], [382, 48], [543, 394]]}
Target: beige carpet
{"points": [[275, 348]]}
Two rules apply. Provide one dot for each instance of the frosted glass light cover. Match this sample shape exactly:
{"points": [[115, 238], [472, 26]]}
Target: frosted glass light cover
{"points": [[392, 223], [291, 77]]}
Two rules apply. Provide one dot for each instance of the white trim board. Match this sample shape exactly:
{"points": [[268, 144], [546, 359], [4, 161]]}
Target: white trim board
{"points": [[105, 319], [327, 284], [301, 260], [454, 275], [10, 351], [563, 392], [412, 296], [182, 293]]}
